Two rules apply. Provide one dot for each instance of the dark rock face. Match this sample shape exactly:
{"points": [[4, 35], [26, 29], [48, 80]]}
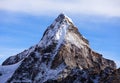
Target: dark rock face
{"points": [[62, 56], [86, 76], [83, 58], [0, 74], [27, 69]]}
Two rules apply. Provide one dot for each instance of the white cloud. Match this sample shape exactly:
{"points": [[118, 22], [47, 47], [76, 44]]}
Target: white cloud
{"points": [[90, 7]]}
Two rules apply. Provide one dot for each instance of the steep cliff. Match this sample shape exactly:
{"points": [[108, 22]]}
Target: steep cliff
{"points": [[62, 56]]}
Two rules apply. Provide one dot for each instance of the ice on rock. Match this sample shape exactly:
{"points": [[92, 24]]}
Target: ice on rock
{"points": [[57, 33], [69, 50]]}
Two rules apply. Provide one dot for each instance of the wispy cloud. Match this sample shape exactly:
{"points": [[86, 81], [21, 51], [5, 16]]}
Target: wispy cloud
{"points": [[36, 7]]}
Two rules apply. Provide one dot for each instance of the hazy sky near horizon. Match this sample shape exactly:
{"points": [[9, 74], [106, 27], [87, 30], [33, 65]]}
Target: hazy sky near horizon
{"points": [[22, 23]]}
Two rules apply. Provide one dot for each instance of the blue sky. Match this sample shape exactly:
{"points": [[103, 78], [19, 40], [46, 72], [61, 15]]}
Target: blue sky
{"points": [[22, 23]]}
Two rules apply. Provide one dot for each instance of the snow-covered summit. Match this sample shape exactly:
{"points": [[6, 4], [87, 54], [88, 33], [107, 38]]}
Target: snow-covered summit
{"points": [[56, 31], [61, 30], [62, 56]]}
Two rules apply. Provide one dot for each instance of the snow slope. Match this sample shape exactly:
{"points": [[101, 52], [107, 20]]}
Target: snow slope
{"points": [[7, 71]]}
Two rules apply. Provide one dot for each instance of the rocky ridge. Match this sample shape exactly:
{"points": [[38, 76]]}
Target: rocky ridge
{"points": [[62, 56]]}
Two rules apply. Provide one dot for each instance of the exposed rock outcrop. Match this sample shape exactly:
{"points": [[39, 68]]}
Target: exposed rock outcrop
{"points": [[62, 56]]}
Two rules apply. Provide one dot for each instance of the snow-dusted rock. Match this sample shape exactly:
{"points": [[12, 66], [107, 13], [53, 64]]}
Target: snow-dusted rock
{"points": [[62, 56]]}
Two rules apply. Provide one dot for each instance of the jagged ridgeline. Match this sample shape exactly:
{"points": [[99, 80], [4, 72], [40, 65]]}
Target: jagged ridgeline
{"points": [[63, 55]]}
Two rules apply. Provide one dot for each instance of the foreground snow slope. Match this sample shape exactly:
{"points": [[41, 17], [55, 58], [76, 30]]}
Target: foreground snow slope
{"points": [[7, 71]]}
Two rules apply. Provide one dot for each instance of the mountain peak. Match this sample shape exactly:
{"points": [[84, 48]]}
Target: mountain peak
{"points": [[62, 16], [61, 31], [62, 56], [57, 31]]}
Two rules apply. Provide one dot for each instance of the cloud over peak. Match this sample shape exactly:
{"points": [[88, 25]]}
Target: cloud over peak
{"points": [[89, 7]]}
